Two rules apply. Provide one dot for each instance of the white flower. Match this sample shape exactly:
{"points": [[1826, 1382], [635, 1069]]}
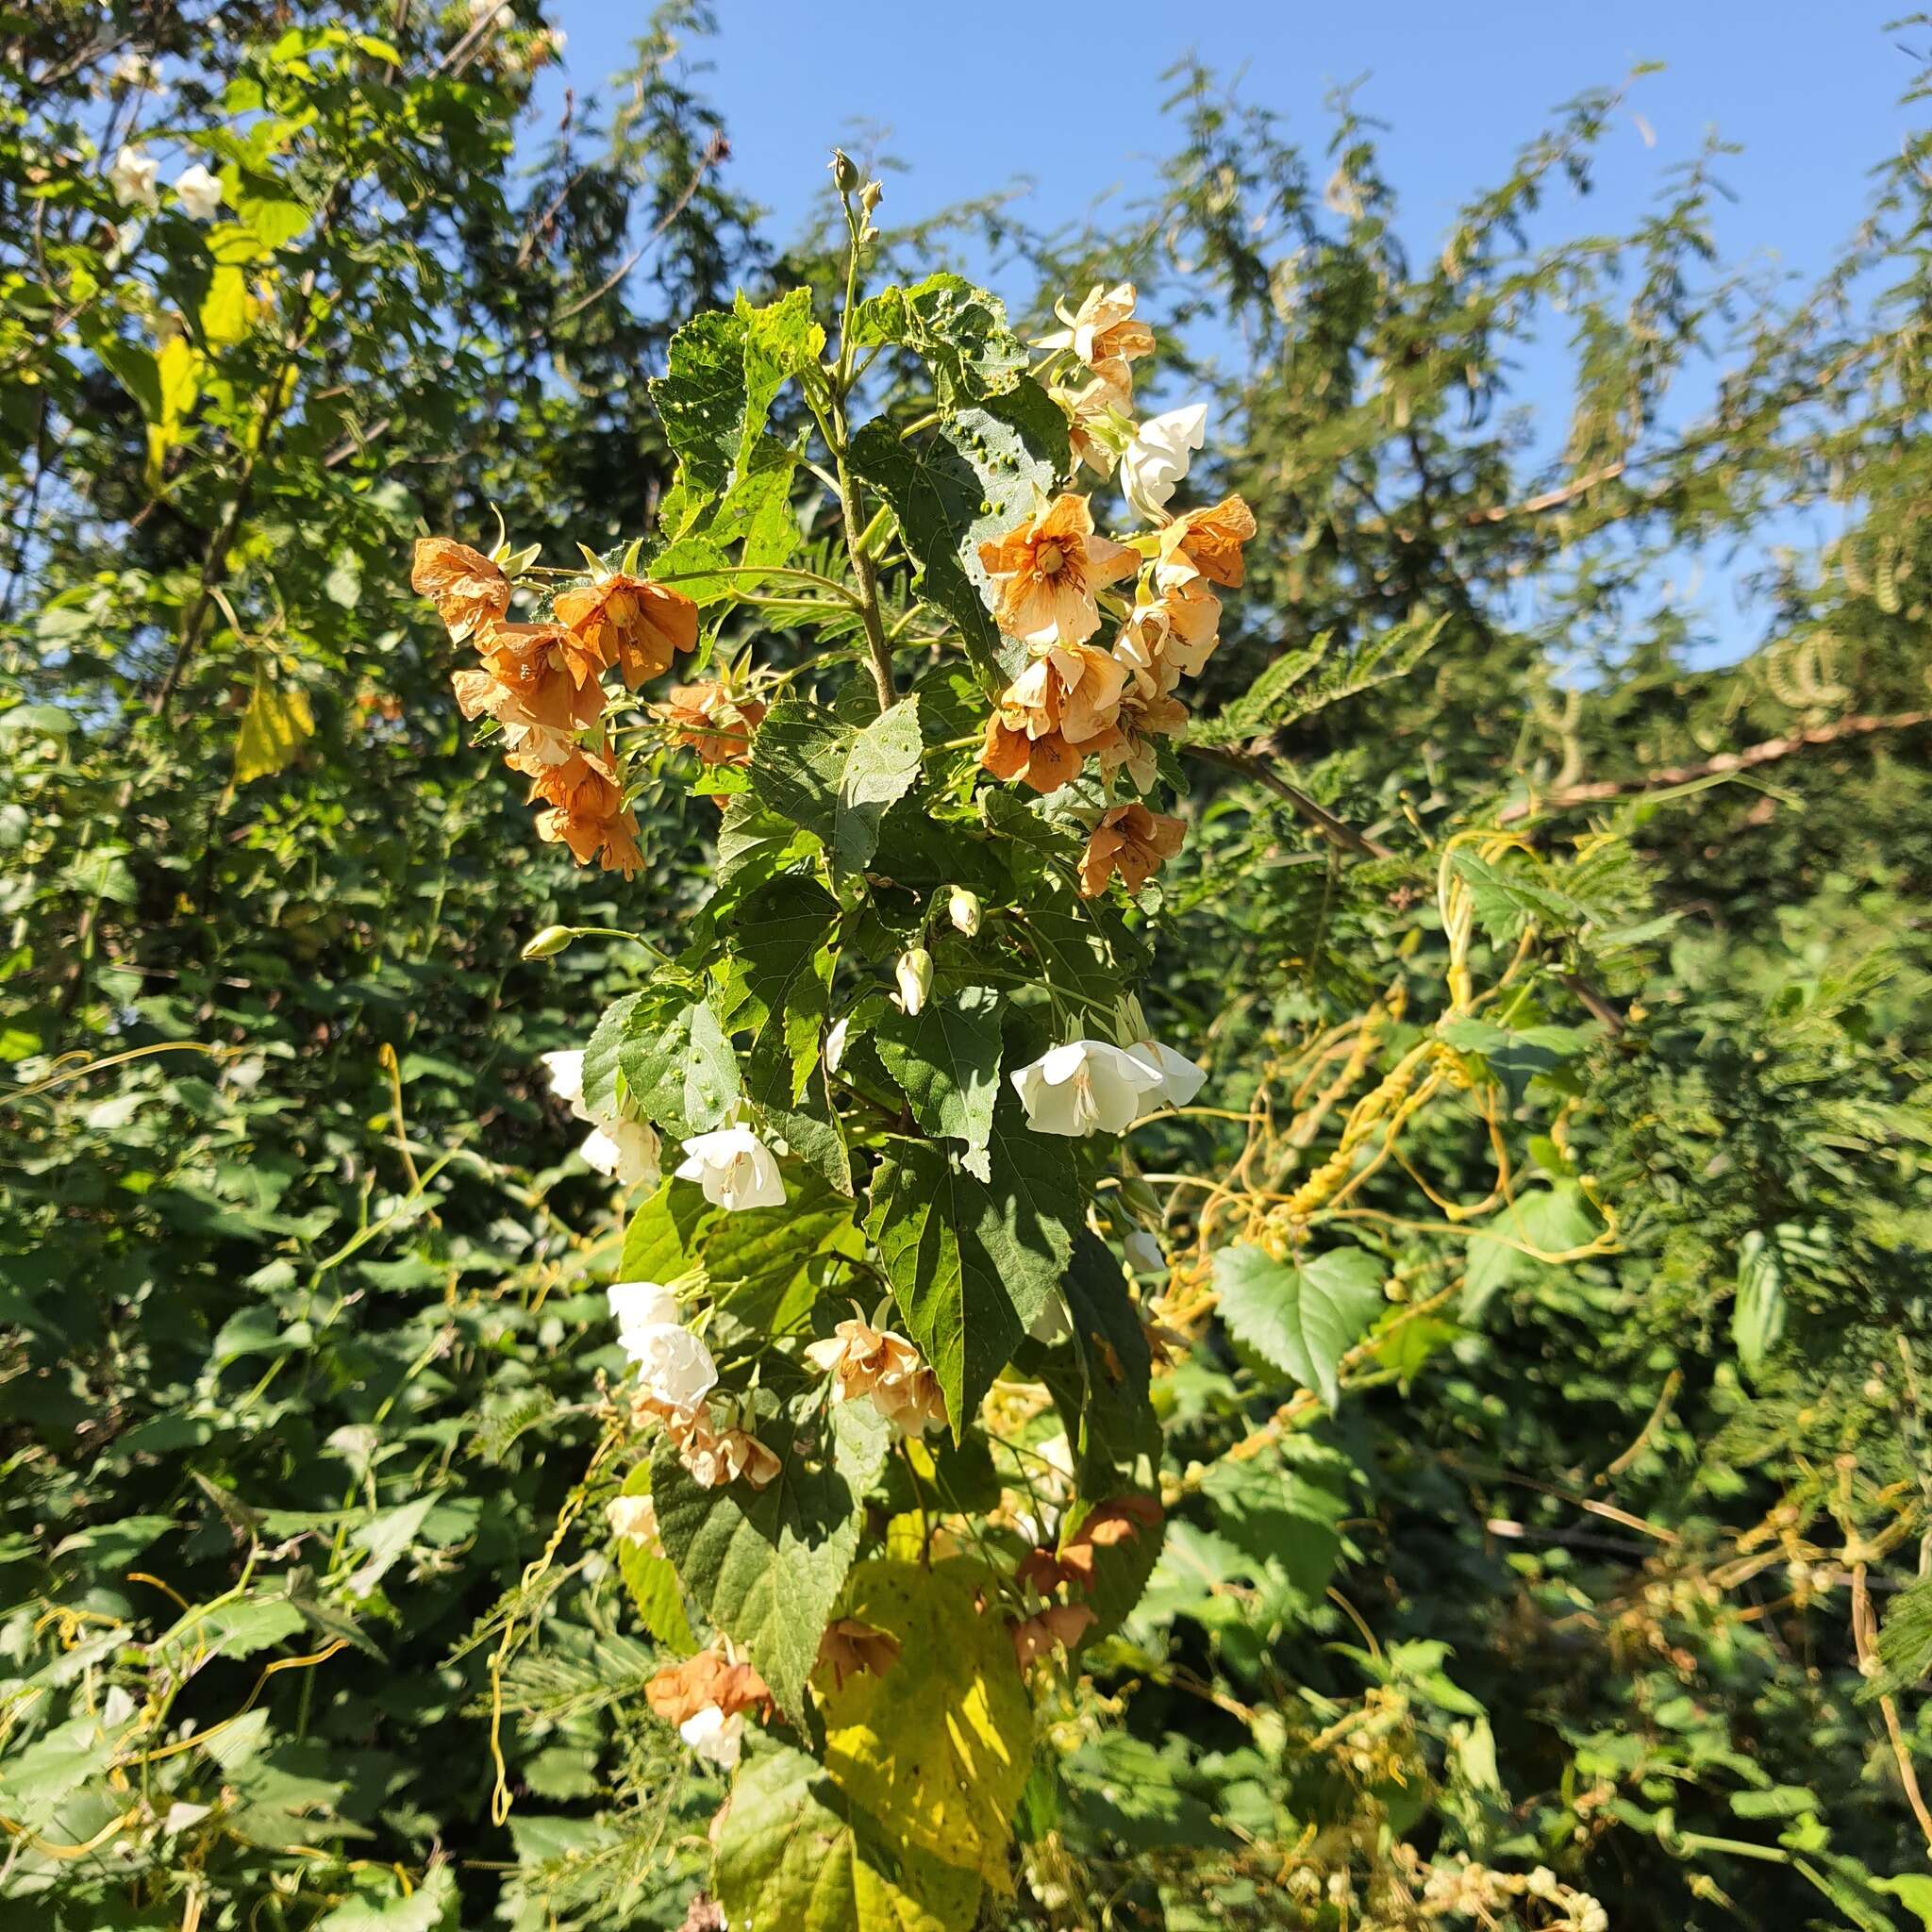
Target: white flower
{"points": [[1143, 1253], [835, 1043], [675, 1368], [714, 1736], [133, 177], [1177, 1078], [1158, 457], [566, 1075], [1083, 1088], [735, 1169], [626, 1151], [198, 191], [962, 908], [634, 1520], [914, 974], [643, 1305]]}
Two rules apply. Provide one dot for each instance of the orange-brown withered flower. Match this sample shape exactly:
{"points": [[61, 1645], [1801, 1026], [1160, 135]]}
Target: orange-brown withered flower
{"points": [[1206, 543], [630, 623], [1131, 841], [1048, 568], [468, 589]]}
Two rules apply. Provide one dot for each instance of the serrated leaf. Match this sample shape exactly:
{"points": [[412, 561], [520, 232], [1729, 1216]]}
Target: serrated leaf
{"points": [[783, 973], [796, 1853], [679, 1070], [765, 1566], [1303, 1317], [938, 1748], [959, 331], [760, 1261], [946, 1062], [879, 769], [972, 1264], [603, 1078], [724, 372]]}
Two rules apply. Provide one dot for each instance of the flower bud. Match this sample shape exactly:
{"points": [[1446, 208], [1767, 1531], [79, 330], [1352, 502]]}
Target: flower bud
{"points": [[963, 908], [835, 1043], [870, 196], [914, 974], [549, 942], [845, 175]]}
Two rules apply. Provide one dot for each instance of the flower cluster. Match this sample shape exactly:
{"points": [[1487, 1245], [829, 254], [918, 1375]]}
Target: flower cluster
{"points": [[1058, 1580], [707, 1697], [625, 1149], [542, 684], [675, 1376], [867, 1361], [1053, 577]]}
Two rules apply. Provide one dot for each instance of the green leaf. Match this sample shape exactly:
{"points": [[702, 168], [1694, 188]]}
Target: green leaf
{"points": [[272, 729], [959, 331], [385, 1907], [1302, 1317], [879, 769], [946, 1061], [724, 372], [1100, 1381], [652, 1580], [604, 1091], [762, 1262], [784, 934], [1554, 1220], [1904, 1642], [1757, 1314], [796, 1853], [664, 1238], [938, 1749], [1913, 1891], [972, 1263], [681, 1071], [812, 768], [387, 1538], [973, 477], [765, 1566]]}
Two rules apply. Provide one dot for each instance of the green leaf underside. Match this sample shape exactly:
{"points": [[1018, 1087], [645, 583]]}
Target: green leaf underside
{"points": [[1303, 1317], [946, 1061]]}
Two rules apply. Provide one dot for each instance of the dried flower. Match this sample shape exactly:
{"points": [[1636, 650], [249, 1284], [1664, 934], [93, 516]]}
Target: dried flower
{"points": [[1103, 328], [1206, 543], [717, 726], [630, 623], [469, 591], [1130, 841], [634, 1520], [850, 1647], [1059, 1623], [588, 814]]}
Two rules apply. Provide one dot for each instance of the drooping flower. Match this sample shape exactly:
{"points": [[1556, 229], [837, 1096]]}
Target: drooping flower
{"points": [[715, 1738], [1143, 716], [850, 1647], [1059, 1623], [627, 1151], [198, 191], [675, 1368], [1048, 568], [1061, 708], [634, 1520], [1103, 328], [707, 1697], [587, 813], [1144, 1252], [536, 685], [1171, 638], [717, 726], [133, 177], [1086, 1086], [1130, 841], [638, 1304], [735, 1169], [630, 623], [565, 1072], [1099, 427], [867, 1361], [1158, 457], [913, 974], [1177, 1078], [1206, 543], [470, 592], [715, 1456], [1121, 1520], [963, 909]]}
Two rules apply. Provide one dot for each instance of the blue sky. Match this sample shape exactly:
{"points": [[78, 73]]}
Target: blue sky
{"points": [[973, 97]]}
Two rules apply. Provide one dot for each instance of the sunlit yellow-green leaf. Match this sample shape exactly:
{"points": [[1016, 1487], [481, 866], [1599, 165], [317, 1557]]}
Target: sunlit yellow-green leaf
{"points": [[272, 729], [797, 1855], [937, 1749], [652, 1581]]}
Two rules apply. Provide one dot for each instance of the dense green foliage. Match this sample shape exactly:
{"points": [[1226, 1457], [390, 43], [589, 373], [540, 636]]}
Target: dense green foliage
{"points": [[1489, 1585]]}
